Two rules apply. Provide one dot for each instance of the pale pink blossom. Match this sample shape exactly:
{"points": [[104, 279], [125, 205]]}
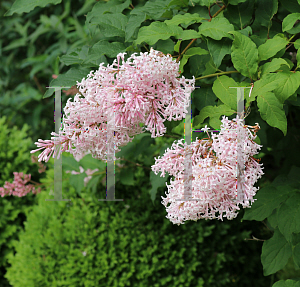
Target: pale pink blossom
{"points": [[214, 163], [146, 89], [18, 187]]}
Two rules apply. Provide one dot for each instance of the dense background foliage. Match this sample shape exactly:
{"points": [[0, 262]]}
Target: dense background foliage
{"points": [[70, 38]]}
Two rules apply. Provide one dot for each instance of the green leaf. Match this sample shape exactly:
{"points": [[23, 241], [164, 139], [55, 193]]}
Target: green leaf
{"points": [[271, 47], [218, 49], [25, 6], [88, 162], [184, 20], [296, 256], [111, 50], [275, 253], [265, 11], [70, 163], [222, 90], [203, 97], [110, 25], [156, 31], [154, 10], [216, 29], [236, 2], [272, 66], [189, 53], [110, 7], [188, 34], [77, 181], [68, 79], [244, 55], [271, 111], [165, 46], [289, 21], [156, 182], [267, 83], [287, 283], [133, 24], [240, 15], [127, 177], [176, 47], [297, 44], [289, 83], [267, 198], [214, 113], [288, 216]]}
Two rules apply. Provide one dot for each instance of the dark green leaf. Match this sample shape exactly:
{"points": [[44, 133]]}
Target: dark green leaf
{"points": [[275, 253], [218, 49], [25, 6], [271, 110], [244, 55]]}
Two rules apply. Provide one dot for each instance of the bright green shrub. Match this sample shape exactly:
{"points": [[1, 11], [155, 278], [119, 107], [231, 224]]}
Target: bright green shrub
{"points": [[130, 243], [14, 157]]}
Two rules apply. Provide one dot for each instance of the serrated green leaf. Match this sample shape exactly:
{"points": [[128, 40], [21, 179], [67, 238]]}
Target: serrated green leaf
{"points": [[189, 53], [156, 31], [185, 19], [203, 97], [88, 162], [110, 7], [67, 80], [214, 113], [70, 163], [188, 34], [156, 182], [111, 50], [267, 198], [218, 49], [288, 216], [271, 47], [127, 177], [275, 253], [287, 283], [110, 24], [77, 181], [221, 88], [297, 44], [236, 2], [271, 111], [244, 55], [296, 256], [240, 15], [272, 66], [25, 6], [289, 21], [133, 24], [289, 83], [216, 29], [265, 11], [267, 83]]}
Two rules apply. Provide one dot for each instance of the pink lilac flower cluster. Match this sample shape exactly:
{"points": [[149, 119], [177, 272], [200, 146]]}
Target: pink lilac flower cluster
{"points": [[214, 170], [145, 89], [18, 187]]}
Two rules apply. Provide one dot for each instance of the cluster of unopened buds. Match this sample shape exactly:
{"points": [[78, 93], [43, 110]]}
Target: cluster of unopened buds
{"points": [[116, 99], [214, 174]]}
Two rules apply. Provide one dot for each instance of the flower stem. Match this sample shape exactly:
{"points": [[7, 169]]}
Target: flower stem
{"points": [[216, 74]]}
